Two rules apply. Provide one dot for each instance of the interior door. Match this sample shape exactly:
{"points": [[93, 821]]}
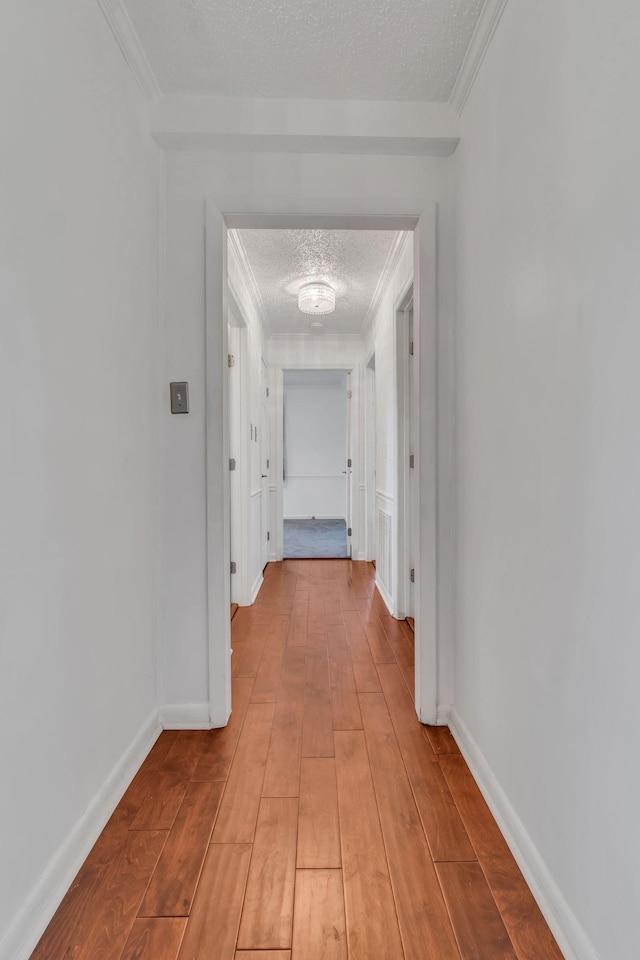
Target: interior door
{"points": [[349, 471], [265, 463], [410, 521]]}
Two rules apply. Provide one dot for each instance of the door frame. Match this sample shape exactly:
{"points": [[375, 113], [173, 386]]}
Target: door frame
{"points": [[278, 374], [405, 474], [431, 570]]}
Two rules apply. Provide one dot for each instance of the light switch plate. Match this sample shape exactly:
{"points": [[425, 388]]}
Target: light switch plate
{"points": [[179, 397]]}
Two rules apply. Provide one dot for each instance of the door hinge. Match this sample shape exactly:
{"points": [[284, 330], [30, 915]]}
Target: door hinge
{"points": [[267, 391], [411, 462], [231, 360], [349, 464], [411, 348], [268, 535], [233, 566], [232, 464], [348, 531], [349, 394], [412, 576], [267, 464]]}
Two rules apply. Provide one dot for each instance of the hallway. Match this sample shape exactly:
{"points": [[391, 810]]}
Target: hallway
{"points": [[322, 823]]}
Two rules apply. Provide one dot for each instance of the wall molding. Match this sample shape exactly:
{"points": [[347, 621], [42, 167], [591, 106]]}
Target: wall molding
{"points": [[476, 52], [127, 39], [237, 246], [392, 261], [382, 590], [443, 714], [32, 920], [185, 716], [255, 590], [565, 926]]}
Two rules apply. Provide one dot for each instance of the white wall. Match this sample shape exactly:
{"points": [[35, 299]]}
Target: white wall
{"points": [[300, 183], [78, 295], [548, 657], [315, 450]]}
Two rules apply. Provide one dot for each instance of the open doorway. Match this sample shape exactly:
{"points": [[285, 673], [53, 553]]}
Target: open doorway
{"points": [[316, 464], [420, 261]]}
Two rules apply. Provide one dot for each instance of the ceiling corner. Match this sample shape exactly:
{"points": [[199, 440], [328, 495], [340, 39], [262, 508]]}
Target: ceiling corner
{"points": [[117, 17], [480, 42]]}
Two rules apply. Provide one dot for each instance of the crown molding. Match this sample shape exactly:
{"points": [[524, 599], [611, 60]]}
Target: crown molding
{"points": [[476, 52], [393, 258], [123, 30], [238, 249]]}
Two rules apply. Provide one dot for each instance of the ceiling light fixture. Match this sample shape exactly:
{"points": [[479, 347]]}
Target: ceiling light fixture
{"points": [[316, 298]]}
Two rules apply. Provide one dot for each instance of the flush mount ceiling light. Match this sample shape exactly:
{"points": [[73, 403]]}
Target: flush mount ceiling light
{"points": [[316, 298]]}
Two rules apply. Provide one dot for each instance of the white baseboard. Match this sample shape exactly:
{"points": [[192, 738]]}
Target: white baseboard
{"points": [[255, 590], [382, 590], [565, 926], [24, 933], [185, 716], [443, 714]]}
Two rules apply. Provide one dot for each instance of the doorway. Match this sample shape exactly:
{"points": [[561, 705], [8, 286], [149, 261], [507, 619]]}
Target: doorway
{"points": [[316, 462], [430, 577]]}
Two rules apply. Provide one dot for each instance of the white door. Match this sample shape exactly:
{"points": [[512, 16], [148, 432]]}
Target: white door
{"points": [[349, 470], [235, 458], [265, 464], [410, 524]]}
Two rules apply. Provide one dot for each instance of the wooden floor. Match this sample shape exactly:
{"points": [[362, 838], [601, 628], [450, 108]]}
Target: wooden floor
{"points": [[322, 823]]}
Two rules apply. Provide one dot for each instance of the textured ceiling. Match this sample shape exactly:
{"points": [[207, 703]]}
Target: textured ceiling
{"points": [[334, 49], [352, 261]]}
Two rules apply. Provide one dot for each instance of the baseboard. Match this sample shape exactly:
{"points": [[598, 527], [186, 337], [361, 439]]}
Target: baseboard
{"points": [[255, 590], [565, 926], [185, 716], [24, 933], [382, 590], [443, 714]]}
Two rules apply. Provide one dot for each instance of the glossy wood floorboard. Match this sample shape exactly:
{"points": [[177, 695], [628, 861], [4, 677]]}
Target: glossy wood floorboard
{"points": [[323, 823]]}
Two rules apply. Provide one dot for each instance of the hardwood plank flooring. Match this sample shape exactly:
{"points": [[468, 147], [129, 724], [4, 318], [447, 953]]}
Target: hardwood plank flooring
{"points": [[319, 931], [318, 827], [479, 928], [323, 823], [156, 938], [267, 915], [174, 880], [372, 924]]}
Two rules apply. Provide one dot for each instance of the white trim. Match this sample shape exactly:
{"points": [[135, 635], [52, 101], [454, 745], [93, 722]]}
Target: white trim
{"points": [[123, 30], [24, 933], [443, 714], [392, 261], [382, 590], [255, 589], [476, 52], [329, 213], [298, 143], [235, 242], [185, 716], [565, 926], [429, 584]]}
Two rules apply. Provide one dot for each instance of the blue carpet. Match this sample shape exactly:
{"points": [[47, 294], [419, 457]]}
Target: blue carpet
{"points": [[310, 539]]}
